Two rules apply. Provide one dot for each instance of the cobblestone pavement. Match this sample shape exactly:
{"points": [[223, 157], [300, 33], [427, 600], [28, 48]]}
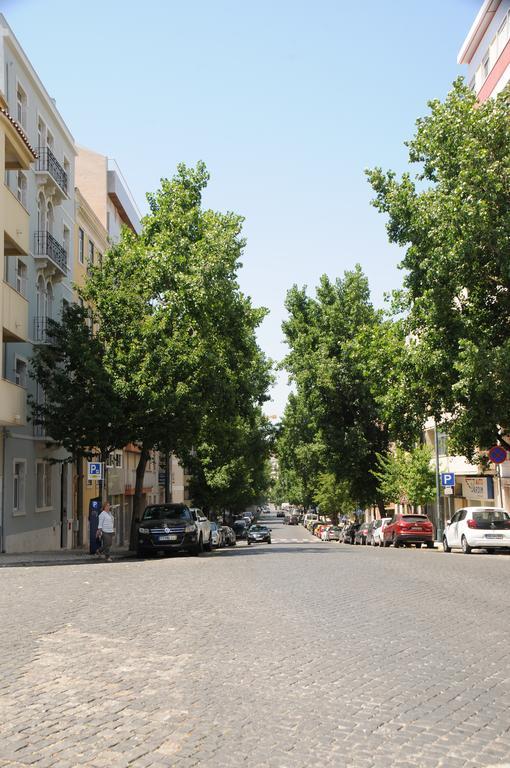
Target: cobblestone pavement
{"points": [[291, 655]]}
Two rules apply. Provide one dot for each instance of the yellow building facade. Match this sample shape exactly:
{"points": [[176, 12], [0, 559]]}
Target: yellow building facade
{"points": [[91, 242], [16, 155]]}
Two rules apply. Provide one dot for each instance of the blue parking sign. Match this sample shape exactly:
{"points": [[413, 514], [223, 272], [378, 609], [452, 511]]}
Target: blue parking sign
{"points": [[95, 470], [447, 479]]}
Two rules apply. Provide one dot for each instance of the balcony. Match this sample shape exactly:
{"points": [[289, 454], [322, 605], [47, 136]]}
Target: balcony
{"points": [[40, 334], [13, 404], [46, 247], [51, 174], [16, 225], [14, 314]]}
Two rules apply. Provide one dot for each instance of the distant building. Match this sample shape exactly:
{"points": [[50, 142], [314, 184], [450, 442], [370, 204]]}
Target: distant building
{"points": [[486, 49]]}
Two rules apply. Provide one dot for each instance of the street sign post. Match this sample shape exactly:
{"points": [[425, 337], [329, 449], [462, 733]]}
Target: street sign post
{"points": [[497, 454], [94, 470], [448, 479]]}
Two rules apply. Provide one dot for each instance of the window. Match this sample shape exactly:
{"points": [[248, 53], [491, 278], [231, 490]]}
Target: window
{"points": [[472, 84], [21, 277], [100, 259], [485, 67], [503, 34], [21, 191], [81, 245], [21, 106], [67, 168], [20, 371], [65, 239], [91, 253], [108, 221], [50, 141], [43, 484], [41, 134], [18, 487]]}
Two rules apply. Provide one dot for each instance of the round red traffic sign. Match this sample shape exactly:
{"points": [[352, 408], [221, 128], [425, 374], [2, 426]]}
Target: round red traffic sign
{"points": [[497, 454]]}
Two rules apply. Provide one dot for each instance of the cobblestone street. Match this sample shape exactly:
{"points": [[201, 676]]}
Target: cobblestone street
{"points": [[295, 654]]}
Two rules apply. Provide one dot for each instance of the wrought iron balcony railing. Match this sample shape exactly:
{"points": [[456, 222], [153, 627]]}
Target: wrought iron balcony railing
{"points": [[46, 245], [49, 163], [41, 329]]}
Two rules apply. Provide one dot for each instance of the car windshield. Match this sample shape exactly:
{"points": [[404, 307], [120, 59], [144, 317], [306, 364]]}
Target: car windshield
{"points": [[377, 523], [258, 528], [213, 526], [239, 524], [489, 515], [167, 512], [415, 518]]}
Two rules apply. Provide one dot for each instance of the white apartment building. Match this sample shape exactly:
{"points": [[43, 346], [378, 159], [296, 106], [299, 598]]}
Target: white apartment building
{"points": [[486, 49], [36, 509]]}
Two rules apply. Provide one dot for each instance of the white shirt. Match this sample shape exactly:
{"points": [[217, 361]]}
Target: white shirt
{"points": [[106, 522]]}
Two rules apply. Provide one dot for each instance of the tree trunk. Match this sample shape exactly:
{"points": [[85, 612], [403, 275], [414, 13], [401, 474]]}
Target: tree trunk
{"points": [[380, 506], [138, 496]]}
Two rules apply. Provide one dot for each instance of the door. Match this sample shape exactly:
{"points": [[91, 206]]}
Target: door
{"points": [[453, 530]]}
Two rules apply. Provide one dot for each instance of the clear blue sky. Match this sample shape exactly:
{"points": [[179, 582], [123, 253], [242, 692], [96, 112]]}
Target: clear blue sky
{"points": [[286, 101]]}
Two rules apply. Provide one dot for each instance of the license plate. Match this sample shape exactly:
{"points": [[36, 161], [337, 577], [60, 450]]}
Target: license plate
{"points": [[172, 537], [493, 535]]}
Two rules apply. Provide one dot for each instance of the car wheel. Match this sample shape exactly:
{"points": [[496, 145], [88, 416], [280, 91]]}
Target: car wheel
{"points": [[396, 542], [446, 548], [269, 541], [248, 543], [140, 552], [430, 544], [199, 547], [208, 546], [418, 545], [465, 546], [491, 551]]}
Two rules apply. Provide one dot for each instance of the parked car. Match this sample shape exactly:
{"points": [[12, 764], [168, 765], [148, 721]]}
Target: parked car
{"points": [[293, 520], [229, 536], [478, 528], [350, 532], [331, 533], [217, 535], [204, 526], [374, 536], [409, 529], [360, 536], [280, 513], [258, 534], [240, 529], [168, 528]]}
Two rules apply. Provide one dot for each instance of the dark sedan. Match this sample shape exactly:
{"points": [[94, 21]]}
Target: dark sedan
{"points": [[258, 534], [167, 528]]}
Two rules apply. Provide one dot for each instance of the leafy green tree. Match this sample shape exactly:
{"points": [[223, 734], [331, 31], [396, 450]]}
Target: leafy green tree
{"points": [[333, 497], [170, 317], [453, 219], [329, 361], [406, 476], [80, 409]]}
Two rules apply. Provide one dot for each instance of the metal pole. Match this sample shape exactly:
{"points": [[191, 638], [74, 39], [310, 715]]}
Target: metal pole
{"points": [[438, 489], [498, 471]]}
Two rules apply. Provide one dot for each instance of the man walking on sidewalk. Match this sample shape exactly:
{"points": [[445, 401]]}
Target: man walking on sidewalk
{"points": [[105, 531]]}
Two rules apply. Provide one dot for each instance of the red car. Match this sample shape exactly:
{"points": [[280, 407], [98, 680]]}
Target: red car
{"points": [[409, 529]]}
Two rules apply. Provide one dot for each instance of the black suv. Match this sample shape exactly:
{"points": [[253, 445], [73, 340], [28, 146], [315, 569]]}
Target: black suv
{"points": [[167, 528]]}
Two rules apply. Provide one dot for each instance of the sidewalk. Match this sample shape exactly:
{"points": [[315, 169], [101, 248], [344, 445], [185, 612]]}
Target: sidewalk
{"points": [[61, 557]]}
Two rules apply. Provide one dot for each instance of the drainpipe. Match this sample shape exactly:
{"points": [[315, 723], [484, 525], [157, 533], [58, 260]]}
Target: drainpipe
{"points": [[2, 487], [438, 490]]}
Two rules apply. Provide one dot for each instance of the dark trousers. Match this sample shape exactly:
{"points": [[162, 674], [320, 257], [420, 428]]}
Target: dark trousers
{"points": [[106, 545]]}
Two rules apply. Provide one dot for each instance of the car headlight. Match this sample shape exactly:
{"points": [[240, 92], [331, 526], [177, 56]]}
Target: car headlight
{"points": [[189, 529], [143, 530]]}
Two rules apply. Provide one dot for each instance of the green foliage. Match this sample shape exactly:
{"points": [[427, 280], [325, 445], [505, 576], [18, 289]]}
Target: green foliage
{"points": [[453, 219], [406, 476], [80, 409], [173, 362], [330, 339], [333, 496]]}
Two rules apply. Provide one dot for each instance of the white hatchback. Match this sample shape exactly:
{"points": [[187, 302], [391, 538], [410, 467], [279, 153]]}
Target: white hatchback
{"points": [[376, 538], [477, 528]]}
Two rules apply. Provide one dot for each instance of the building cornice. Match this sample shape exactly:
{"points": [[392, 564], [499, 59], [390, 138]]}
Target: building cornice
{"points": [[477, 31]]}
